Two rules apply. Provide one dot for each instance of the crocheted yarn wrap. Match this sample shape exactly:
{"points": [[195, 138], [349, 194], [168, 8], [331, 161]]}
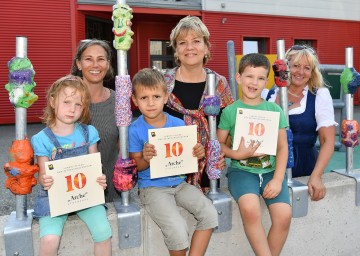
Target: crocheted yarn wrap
{"points": [[350, 80], [21, 82], [211, 105], [290, 162], [123, 114], [280, 73], [125, 174], [350, 133], [20, 169], [212, 155]]}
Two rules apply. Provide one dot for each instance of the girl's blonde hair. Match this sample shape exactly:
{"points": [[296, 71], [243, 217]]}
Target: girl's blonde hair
{"points": [[186, 25], [316, 80], [75, 83]]}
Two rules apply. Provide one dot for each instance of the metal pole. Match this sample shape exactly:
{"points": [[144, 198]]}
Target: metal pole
{"points": [[20, 129], [232, 69], [349, 106], [299, 196], [123, 130], [211, 86], [280, 44]]}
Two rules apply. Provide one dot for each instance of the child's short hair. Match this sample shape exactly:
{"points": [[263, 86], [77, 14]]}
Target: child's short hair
{"points": [[150, 78], [254, 60], [75, 83]]}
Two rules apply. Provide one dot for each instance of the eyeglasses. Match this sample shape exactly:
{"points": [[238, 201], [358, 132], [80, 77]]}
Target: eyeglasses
{"points": [[298, 47]]}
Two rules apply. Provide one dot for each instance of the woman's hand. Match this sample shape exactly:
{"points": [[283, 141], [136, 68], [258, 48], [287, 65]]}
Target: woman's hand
{"points": [[316, 187]]}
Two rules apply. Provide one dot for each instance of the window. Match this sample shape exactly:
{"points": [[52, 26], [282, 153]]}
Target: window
{"points": [[311, 43], [161, 54], [255, 45]]}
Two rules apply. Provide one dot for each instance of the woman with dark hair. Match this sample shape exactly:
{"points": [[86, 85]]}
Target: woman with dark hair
{"points": [[92, 63]]}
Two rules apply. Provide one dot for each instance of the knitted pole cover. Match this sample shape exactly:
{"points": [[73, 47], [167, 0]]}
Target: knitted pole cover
{"points": [[123, 92], [349, 133], [125, 174], [281, 73], [212, 155]]}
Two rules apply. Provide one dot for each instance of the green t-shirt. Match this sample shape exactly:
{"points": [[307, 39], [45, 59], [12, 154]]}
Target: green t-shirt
{"points": [[227, 122]]}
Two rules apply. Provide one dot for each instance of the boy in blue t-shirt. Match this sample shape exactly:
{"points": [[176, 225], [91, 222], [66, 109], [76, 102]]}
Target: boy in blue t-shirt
{"points": [[161, 196], [246, 178]]}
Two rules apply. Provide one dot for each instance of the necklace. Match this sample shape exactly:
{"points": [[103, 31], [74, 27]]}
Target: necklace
{"points": [[295, 95], [181, 79]]}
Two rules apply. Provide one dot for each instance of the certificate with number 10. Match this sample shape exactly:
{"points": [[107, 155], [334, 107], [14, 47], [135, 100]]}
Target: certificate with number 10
{"points": [[174, 147], [259, 126]]}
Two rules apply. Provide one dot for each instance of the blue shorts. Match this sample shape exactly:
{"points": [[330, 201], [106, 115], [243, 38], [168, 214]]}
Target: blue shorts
{"points": [[242, 182], [94, 217]]}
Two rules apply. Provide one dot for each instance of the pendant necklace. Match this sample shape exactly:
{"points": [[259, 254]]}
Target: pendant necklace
{"points": [[290, 103]]}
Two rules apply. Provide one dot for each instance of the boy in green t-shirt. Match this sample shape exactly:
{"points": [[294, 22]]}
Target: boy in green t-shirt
{"points": [[251, 174]]}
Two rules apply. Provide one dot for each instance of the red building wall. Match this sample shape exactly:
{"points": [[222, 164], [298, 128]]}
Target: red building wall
{"points": [[53, 29], [332, 36], [47, 26]]}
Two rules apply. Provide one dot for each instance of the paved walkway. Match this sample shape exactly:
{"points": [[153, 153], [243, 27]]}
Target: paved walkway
{"points": [[7, 135]]}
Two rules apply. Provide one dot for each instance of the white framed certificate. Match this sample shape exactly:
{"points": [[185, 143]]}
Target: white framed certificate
{"points": [[258, 125], [174, 147], [75, 187]]}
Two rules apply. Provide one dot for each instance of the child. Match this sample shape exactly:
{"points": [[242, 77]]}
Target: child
{"points": [[247, 183], [66, 135], [161, 196]]}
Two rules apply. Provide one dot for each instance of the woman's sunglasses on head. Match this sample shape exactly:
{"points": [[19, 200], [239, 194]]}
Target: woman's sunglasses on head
{"points": [[298, 47]]}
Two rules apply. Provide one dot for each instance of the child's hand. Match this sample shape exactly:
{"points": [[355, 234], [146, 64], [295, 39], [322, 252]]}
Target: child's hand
{"points": [[221, 164], [47, 181], [199, 151], [272, 189], [246, 152], [148, 152], [102, 181]]}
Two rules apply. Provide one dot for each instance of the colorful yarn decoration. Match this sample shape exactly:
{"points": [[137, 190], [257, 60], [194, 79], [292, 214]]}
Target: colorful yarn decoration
{"points": [[123, 91], [122, 15], [290, 162], [21, 82], [212, 155], [125, 174], [281, 73], [350, 80], [20, 169], [211, 105], [350, 133]]}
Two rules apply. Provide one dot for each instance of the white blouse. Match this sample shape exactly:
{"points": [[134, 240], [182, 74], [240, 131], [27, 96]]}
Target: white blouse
{"points": [[324, 109]]}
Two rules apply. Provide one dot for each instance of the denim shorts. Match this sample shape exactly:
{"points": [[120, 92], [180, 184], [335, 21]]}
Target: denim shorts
{"points": [[242, 182]]}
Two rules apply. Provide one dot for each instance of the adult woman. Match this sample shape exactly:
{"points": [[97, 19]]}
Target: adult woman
{"points": [[186, 83], [92, 63], [311, 115]]}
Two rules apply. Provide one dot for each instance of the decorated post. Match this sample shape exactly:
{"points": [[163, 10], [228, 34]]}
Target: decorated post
{"points": [[20, 169], [125, 173], [221, 201], [350, 82], [299, 195]]}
